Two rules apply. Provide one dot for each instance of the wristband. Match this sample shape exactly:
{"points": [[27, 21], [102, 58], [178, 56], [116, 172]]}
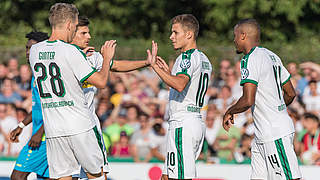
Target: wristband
{"points": [[21, 125]]}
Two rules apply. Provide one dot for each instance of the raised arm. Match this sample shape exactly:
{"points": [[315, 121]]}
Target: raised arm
{"points": [[177, 82], [289, 93], [99, 79]]}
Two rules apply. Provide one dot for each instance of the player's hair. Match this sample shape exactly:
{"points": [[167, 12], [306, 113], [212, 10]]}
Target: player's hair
{"points": [[61, 12], [83, 21], [251, 22], [37, 36], [187, 21]]}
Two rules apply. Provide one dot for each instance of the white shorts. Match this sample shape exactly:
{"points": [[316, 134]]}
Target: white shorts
{"points": [[184, 144], [66, 154], [275, 160], [106, 166]]}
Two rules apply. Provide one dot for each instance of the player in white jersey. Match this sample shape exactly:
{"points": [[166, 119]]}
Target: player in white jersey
{"points": [[59, 69], [264, 79], [95, 59], [189, 81]]}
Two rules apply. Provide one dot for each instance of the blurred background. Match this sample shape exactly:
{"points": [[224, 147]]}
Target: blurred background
{"points": [[132, 108]]}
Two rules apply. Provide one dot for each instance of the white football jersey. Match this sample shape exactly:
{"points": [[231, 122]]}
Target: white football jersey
{"points": [[59, 69], [89, 90], [197, 67], [265, 69]]}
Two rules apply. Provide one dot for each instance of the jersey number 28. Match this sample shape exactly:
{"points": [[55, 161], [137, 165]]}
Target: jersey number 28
{"points": [[55, 76]]}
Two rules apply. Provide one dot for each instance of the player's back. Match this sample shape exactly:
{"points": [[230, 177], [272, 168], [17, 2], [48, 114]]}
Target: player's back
{"points": [[59, 68], [197, 67], [265, 69]]}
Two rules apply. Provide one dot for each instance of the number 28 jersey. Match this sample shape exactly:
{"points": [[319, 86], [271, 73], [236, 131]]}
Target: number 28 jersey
{"points": [[194, 64], [265, 69], [59, 69]]}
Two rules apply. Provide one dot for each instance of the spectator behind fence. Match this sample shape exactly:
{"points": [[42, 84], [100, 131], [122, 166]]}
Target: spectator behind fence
{"points": [[311, 140], [7, 123], [121, 148], [140, 140], [8, 93], [312, 100], [158, 142]]}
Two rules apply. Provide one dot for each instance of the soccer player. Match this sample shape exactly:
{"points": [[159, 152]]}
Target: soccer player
{"points": [[33, 156], [188, 80], [264, 79], [59, 69], [95, 59]]}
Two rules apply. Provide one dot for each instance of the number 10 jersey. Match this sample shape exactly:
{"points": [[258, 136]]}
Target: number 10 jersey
{"points": [[59, 69], [194, 64]]}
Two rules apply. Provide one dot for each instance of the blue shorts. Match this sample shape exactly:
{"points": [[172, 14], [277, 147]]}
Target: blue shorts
{"points": [[33, 160]]}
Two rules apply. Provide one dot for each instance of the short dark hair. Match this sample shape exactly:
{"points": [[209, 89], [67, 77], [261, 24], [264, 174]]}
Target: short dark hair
{"points": [[37, 36], [312, 81], [311, 116], [251, 22], [83, 21], [187, 21]]}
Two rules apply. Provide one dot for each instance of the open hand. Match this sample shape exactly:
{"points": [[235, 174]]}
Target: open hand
{"points": [[108, 49], [162, 64], [152, 56]]}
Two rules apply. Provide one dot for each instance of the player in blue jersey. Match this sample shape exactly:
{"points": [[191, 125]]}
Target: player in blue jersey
{"points": [[33, 156]]}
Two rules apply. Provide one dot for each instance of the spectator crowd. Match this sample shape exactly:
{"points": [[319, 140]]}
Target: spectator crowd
{"points": [[132, 109]]}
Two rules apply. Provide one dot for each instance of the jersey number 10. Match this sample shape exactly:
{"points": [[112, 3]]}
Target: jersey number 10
{"points": [[202, 89], [54, 72]]}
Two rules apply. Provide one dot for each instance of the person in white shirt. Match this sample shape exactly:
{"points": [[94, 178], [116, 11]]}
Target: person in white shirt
{"points": [[59, 69], [264, 79], [312, 100], [188, 81]]}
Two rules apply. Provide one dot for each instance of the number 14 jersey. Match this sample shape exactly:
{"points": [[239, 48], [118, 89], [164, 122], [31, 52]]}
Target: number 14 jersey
{"points": [[59, 69], [265, 69], [194, 64]]}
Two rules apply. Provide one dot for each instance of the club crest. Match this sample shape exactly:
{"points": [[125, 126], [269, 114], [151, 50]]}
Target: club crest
{"points": [[244, 73], [185, 63]]}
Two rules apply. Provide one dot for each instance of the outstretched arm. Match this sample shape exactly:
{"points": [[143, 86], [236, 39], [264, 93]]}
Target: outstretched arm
{"points": [[244, 103], [126, 66], [178, 82], [99, 79]]}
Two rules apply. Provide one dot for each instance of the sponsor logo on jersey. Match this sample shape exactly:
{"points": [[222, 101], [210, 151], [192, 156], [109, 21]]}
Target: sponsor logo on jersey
{"points": [[185, 63], [244, 73], [205, 65]]}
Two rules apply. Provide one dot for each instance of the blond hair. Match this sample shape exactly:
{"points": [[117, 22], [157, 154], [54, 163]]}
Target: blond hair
{"points": [[61, 12]]}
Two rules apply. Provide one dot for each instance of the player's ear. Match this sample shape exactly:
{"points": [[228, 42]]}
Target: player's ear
{"points": [[68, 25], [189, 34], [243, 36]]}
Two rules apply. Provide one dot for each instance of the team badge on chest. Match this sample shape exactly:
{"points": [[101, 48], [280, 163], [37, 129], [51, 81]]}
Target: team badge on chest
{"points": [[185, 63]]}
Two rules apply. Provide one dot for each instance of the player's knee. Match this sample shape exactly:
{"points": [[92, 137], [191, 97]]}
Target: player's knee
{"points": [[18, 175]]}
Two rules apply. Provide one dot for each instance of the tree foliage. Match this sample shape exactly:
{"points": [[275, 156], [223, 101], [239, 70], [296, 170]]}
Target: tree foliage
{"points": [[285, 22]]}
